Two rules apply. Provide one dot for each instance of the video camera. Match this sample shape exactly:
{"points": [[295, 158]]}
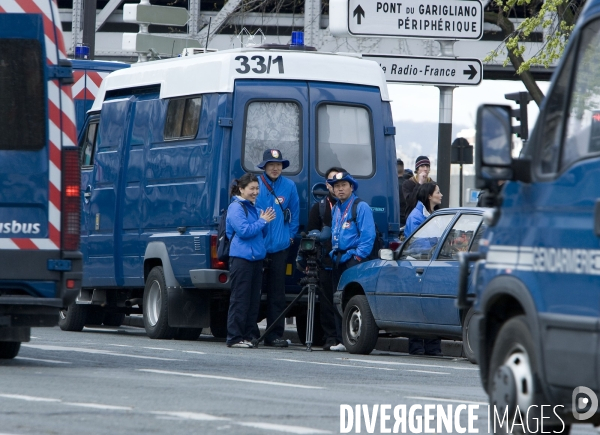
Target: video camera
{"points": [[310, 249]]}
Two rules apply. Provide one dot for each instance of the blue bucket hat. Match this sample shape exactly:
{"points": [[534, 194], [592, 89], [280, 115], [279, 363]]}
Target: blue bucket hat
{"points": [[343, 176], [273, 156]]}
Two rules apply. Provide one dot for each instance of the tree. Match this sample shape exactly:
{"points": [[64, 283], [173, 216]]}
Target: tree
{"points": [[556, 17]]}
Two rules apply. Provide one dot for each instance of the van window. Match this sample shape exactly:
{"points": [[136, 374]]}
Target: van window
{"points": [[344, 139], [582, 135], [88, 149], [22, 100], [183, 117], [272, 125], [553, 118]]}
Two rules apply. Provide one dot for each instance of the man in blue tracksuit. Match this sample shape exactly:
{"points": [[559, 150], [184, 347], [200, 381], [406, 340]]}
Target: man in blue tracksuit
{"points": [[352, 237], [281, 194]]}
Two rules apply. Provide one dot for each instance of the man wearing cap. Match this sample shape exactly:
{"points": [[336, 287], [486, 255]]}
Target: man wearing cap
{"points": [[281, 194], [409, 187], [352, 237]]}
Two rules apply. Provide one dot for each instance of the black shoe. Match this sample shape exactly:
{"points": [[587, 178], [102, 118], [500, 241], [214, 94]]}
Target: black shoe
{"points": [[278, 342], [328, 344], [435, 353], [418, 352]]}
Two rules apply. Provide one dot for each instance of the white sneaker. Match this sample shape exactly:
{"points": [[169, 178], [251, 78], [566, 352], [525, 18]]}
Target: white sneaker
{"points": [[338, 348]]}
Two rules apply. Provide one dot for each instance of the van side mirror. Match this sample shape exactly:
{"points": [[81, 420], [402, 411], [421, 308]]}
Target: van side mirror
{"points": [[493, 143]]}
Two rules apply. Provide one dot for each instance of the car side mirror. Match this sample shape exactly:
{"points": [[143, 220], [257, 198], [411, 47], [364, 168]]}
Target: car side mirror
{"points": [[493, 143], [386, 254]]}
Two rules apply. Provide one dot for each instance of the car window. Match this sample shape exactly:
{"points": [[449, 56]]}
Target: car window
{"points": [[88, 149], [582, 136], [344, 139], [422, 244], [272, 125], [460, 236]]}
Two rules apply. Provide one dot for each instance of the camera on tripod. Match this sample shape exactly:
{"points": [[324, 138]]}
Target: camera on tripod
{"points": [[310, 250]]}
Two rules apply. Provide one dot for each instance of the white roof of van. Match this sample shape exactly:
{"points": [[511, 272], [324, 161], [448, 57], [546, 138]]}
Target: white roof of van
{"points": [[217, 72]]}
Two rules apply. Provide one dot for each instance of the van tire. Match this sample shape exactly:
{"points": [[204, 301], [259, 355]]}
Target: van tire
{"points": [[189, 334], [73, 318], [114, 319], [467, 337], [318, 334], [156, 306], [359, 330], [9, 349]]}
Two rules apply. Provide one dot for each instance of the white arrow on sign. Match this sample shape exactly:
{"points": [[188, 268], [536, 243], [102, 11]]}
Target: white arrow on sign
{"points": [[438, 19], [448, 71]]}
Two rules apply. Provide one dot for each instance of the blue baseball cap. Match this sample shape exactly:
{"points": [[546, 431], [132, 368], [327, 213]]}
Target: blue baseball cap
{"points": [[273, 156], [343, 176]]}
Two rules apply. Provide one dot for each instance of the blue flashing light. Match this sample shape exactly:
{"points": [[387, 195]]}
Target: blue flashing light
{"points": [[82, 51], [297, 38]]}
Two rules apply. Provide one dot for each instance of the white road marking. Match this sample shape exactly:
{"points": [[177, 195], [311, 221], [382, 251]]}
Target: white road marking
{"points": [[194, 351], [410, 364], [29, 398], [31, 336], [439, 399], [43, 360], [332, 364], [285, 428], [99, 406], [190, 415], [225, 378], [156, 348], [94, 351], [119, 345], [100, 329], [427, 371]]}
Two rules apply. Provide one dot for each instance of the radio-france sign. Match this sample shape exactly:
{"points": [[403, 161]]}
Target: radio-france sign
{"points": [[448, 71], [436, 19]]}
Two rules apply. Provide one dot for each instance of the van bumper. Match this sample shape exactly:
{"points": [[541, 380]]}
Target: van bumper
{"points": [[24, 312], [211, 279]]}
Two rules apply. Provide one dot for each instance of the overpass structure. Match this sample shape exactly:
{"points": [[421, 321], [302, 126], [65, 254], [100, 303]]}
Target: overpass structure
{"points": [[239, 23]]}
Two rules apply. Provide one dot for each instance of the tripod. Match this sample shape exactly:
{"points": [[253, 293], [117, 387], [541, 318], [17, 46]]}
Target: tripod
{"points": [[310, 284]]}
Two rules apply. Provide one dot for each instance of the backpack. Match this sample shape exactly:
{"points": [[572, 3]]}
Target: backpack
{"points": [[378, 243], [223, 241]]}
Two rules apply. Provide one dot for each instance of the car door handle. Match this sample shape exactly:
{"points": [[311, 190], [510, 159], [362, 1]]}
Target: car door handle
{"points": [[420, 271], [87, 195]]}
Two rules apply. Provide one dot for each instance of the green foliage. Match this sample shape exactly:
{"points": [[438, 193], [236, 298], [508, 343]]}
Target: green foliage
{"points": [[556, 18]]}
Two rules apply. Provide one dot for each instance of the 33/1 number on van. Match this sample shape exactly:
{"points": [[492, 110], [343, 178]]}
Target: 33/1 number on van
{"points": [[261, 67]]}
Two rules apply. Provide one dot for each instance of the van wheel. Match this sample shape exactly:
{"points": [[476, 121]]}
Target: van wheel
{"points": [[359, 330], [511, 379], [156, 306], [114, 319], [9, 349], [467, 337], [73, 318], [190, 334], [318, 334]]}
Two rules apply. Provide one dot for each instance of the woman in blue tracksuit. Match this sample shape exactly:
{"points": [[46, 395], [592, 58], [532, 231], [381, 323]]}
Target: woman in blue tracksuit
{"points": [[246, 228], [428, 197]]}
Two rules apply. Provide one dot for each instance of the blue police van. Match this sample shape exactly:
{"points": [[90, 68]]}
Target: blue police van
{"points": [[39, 173], [536, 322], [161, 146]]}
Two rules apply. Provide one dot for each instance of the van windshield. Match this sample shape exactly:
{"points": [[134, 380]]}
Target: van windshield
{"points": [[22, 100], [344, 139]]}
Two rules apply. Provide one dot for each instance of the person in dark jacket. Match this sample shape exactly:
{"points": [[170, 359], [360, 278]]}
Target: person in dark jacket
{"points": [[281, 194], [409, 187], [401, 179], [352, 237], [246, 228], [319, 217]]}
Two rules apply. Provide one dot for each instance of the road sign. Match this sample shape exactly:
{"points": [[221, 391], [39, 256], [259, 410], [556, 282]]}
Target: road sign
{"points": [[437, 19], [448, 71]]}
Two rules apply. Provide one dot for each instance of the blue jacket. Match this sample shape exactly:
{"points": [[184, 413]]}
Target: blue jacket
{"points": [[248, 241], [279, 232], [355, 238], [414, 219]]}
